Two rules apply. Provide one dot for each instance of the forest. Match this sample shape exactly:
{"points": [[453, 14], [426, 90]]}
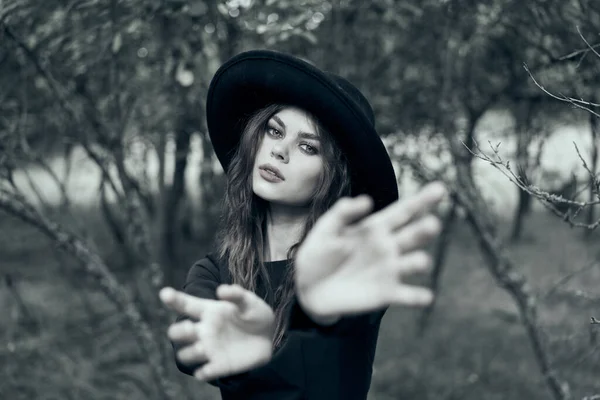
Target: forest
{"points": [[110, 189]]}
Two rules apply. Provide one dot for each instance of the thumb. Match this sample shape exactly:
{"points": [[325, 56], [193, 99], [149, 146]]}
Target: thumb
{"points": [[347, 211], [415, 296], [234, 294]]}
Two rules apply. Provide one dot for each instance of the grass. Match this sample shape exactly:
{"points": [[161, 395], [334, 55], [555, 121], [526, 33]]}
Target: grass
{"points": [[75, 346]]}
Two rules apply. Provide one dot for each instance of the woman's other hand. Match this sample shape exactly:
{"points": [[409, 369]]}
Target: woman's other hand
{"points": [[233, 334], [352, 262]]}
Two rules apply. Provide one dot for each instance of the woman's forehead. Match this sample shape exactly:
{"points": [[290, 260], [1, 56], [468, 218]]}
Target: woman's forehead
{"points": [[296, 117]]}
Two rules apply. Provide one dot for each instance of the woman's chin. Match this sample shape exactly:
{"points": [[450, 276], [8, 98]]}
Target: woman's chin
{"points": [[266, 194], [277, 198]]}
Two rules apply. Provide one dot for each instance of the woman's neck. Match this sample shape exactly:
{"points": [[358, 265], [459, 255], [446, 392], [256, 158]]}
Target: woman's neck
{"points": [[284, 228]]}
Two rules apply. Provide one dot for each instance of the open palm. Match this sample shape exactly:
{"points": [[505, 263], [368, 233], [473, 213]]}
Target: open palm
{"points": [[232, 335], [351, 263]]}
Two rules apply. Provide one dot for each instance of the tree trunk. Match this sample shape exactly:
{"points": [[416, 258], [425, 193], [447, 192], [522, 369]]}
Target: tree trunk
{"points": [[523, 208], [161, 220], [594, 187], [438, 264], [25, 316], [114, 226], [208, 195], [176, 192], [522, 124]]}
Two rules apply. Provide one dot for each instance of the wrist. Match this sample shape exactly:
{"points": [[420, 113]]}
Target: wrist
{"points": [[323, 321], [313, 314]]}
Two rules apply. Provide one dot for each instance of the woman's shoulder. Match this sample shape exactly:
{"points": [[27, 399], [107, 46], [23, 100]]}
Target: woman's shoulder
{"points": [[209, 267]]}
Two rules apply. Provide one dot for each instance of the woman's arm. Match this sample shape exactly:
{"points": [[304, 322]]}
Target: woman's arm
{"points": [[351, 265], [202, 281], [299, 320], [223, 330]]}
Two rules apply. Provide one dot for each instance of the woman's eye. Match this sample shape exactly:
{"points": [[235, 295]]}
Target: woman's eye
{"points": [[273, 131], [309, 149]]}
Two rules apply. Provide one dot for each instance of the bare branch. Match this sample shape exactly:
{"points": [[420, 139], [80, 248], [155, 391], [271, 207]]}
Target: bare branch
{"points": [[27, 151], [549, 200], [34, 187], [567, 278], [500, 265], [67, 106], [96, 268], [579, 52], [588, 44], [6, 9], [575, 102], [593, 176]]}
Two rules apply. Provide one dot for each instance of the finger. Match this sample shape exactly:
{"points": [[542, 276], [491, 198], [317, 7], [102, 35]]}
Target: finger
{"points": [[414, 296], [418, 233], [346, 211], [182, 332], [182, 302], [235, 294], [413, 263], [207, 372], [401, 212], [192, 354]]}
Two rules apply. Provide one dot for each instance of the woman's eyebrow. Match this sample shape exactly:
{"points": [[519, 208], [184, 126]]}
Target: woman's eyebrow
{"points": [[302, 135], [306, 135], [279, 121]]}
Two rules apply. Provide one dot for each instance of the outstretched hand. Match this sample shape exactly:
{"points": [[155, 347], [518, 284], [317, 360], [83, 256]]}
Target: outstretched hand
{"points": [[233, 334], [352, 262]]}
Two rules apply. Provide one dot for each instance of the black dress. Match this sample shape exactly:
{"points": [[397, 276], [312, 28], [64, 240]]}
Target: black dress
{"points": [[315, 362]]}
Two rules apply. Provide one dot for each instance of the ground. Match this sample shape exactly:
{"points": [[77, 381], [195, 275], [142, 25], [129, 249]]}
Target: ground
{"points": [[474, 347]]}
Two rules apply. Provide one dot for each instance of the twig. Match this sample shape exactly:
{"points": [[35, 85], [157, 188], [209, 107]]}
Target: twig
{"points": [[567, 278], [593, 176], [548, 199], [575, 102], [587, 43], [578, 52]]}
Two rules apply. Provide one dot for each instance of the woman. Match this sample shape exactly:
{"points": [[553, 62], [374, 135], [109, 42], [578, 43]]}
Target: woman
{"points": [[289, 305]]}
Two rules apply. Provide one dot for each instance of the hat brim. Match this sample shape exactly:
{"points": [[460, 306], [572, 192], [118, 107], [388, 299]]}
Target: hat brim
{"points": [[254, 79]]}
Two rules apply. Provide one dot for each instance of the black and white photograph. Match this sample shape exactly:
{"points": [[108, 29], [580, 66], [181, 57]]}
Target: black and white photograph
{"points": [[299, 199]]}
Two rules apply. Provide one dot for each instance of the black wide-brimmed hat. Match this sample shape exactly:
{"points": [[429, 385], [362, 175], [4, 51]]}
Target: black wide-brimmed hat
{"points": [[252, 80]]}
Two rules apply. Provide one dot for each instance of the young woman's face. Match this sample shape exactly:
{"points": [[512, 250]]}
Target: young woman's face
{"points": [[290, 144]]}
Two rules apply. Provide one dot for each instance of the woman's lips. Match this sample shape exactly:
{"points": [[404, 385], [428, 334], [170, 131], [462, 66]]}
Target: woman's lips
{"points": [[269, 175]]}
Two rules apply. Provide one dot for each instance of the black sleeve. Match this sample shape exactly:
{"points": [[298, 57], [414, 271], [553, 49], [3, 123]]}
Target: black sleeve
{"points": [[357, 324], [202, 281]]}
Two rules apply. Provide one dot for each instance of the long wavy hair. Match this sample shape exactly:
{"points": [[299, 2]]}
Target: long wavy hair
{"points": [[240, 240]]}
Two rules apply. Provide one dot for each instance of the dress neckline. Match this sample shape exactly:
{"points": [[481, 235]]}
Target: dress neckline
{"points": [[278, 261]]}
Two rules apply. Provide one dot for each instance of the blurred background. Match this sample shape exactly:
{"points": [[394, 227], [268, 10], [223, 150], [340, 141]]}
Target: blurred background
{"points": [[109, 188]]}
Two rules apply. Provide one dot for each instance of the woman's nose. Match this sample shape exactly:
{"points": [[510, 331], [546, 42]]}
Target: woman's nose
{"points": [[279, 151]]}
